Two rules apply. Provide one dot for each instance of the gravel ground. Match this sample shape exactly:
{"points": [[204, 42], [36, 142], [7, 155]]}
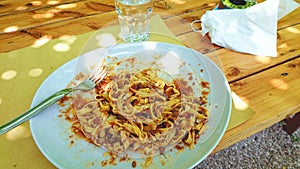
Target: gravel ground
{"points": [[271, 148]]}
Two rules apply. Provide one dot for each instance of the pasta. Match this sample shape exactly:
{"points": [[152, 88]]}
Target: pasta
{"points": [[137, 112]]}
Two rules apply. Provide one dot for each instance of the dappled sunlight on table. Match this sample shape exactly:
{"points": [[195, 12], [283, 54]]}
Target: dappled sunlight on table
{"points": [[212, 4], [178, 1], [241, 111], [68, 38], [21, 8], [36, 72], [53, 2], [9, 74], [279, 84], [293, 30], [263, 59], [41, 41], [10, 29], [106, 39], [46, 15], [18, 133], [283, 45], [67, 6], [239, 103], [66, 43], [36, 3], [62, 47]]}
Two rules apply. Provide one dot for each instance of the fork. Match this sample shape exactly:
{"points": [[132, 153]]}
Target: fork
{"points": [[87, 84]]}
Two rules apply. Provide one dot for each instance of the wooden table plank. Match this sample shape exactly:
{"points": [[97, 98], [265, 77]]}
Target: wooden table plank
{"points": [[53, 14], [9, 7], [91, 23], [273, 93]]}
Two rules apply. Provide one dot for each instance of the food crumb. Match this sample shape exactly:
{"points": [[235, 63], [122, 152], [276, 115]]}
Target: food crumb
{"points": [[133, 164], [71, 143]]}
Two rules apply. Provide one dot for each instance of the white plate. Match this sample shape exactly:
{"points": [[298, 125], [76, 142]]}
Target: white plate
{"points": [[51, 133]]}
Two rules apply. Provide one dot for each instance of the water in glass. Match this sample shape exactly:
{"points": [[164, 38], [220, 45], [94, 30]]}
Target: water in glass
{"points": [[134, 18]]}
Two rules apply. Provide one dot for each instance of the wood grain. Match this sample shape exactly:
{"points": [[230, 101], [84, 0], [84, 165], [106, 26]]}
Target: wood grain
{"points": [[273, 94], [10, 7], [92, 17], [53, 14]]}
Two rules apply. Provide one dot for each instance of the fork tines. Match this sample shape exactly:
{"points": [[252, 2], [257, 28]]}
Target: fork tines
{"points": [[99, 74]]}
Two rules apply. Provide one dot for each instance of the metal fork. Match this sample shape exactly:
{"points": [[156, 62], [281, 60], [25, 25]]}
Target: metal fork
{"points": [[87, 84]]}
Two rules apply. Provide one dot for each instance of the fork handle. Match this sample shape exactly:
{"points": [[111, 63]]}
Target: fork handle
{"points": [[34, 110]]}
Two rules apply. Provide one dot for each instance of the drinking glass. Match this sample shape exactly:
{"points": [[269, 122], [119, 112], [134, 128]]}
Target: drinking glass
{"points": [[134, 19]]}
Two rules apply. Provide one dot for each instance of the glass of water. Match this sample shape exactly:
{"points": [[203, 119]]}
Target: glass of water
{"points": [[134, 19]]}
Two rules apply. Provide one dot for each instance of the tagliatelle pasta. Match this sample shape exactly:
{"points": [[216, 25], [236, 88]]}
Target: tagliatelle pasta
{"points": [[138, 112]]}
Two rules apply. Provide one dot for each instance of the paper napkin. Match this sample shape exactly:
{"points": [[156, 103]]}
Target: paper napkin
{"points": [[285, 7], [251, 30]]}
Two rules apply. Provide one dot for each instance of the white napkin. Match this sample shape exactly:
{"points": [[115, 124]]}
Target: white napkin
{"points": [[285, 7], [251, 30]]}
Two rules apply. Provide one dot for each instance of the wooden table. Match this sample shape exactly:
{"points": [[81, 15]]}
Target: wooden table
{"points": [[269, 85]]}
